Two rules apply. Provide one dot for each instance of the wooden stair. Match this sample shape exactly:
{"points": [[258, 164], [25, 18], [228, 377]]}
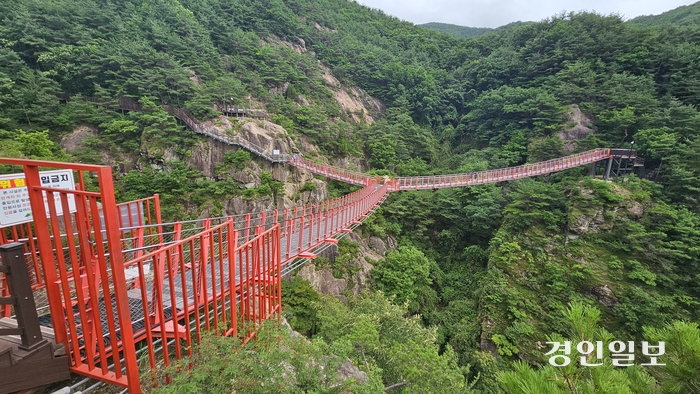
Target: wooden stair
{"points": [[23, 369]]}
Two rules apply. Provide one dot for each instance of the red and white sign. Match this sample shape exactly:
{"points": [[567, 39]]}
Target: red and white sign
{"points": [[14, 197]]}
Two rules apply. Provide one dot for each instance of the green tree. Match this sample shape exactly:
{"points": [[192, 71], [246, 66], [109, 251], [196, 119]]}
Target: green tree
{"points": [[573, 378], [386, 343], [36, 145], [274, 363], [402, 274], [681, 374], [533, 202], [545, 149], [34, 99], [299, 305]]}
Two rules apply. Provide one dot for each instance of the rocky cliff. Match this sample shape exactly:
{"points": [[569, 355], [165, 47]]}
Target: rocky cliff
{"points": [[589, 256], [344, 271]]}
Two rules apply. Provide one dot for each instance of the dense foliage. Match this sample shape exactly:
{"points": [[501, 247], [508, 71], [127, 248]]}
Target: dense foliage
{"points": [[274, 363], [456, 30], [683, 352], [490, 270], [687, 15]]}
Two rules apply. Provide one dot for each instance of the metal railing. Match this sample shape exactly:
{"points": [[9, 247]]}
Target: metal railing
{"points": [[352, 177], [101, 306], [500, 175], [90, 277], [238, 141]]}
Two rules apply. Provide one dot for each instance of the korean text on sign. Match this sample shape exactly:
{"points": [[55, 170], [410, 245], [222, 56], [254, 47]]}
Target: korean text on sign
{"points": [[14, 197]]}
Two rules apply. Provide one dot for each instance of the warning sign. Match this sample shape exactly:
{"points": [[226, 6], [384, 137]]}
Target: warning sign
{"points": [[14, 198]]}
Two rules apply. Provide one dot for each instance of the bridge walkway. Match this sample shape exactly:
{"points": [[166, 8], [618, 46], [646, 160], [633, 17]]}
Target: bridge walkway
{"points": [[119, 279]]}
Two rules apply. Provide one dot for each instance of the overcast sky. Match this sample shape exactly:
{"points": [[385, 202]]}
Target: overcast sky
{"points": [[494, 13]]}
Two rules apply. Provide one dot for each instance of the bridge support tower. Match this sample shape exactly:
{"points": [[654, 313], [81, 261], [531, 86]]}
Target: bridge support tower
{"points": [[608, 168]]}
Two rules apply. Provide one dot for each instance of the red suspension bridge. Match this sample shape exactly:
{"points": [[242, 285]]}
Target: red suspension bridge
{"points": [[120, 292]]}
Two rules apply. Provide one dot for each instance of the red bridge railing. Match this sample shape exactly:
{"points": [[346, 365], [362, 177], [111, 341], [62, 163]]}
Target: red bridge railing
{"points": [[204, 282], [454, 180], [219, 278], [304, 233], [355, 178], [503, 174], [223, 275], [142, 239]]}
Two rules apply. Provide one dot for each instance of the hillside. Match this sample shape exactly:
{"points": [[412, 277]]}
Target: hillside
{"points": [[456, 30], [468, 32], [687, 15], [472, 280]]}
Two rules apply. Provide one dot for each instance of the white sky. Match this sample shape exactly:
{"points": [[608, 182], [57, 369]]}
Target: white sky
{"points": [[494, 13]]}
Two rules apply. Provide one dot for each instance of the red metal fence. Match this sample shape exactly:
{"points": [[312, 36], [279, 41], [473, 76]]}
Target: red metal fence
{"points": [[90, 276], [453, 180], [355, 178], [203, 282], [138, 221], [219, 278], [341, 211], [99, 313], [304, 233]]}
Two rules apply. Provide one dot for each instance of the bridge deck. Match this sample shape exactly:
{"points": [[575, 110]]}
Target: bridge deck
{"points": [[171, 289]]}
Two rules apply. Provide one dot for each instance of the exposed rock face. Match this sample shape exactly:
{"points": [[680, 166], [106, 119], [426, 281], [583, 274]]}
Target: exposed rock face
{"points": [[323, 281], [349, 371], [486, 343], [373, 247], [299, 46], [282, 89], [292, 333], [635, 210], [208, 153], [580, 130], [605, 296], [354, 101], [81, 133], [323, 28], [293, 178], [346, 371], [303, 101], [307, 146], [205, 155], [594, 220], [267, 135], [240, 206], [76, 140], [377, 245], [586, 224], [194, 77], [350, 163]]}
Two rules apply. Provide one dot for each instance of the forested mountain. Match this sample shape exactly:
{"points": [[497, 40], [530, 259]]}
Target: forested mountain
{"points": [[481, 277], [456, 30], [467, 32], [687, 15]]}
